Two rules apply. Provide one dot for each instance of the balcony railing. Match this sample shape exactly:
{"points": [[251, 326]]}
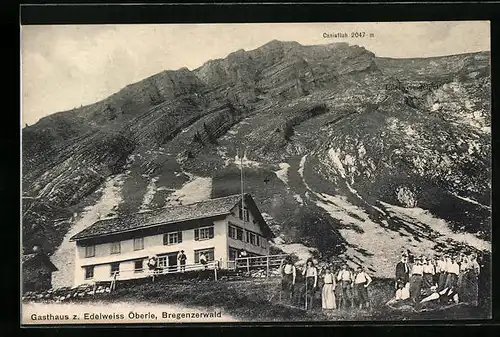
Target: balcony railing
{"points": [[266, 262]]}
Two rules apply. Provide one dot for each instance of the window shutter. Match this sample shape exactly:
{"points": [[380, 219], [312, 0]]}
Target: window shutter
{"points": [[165, 239], [196, 234], [211, 232], [179, 237]]}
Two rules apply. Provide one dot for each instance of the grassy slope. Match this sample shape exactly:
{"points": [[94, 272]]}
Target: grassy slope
{"points": [[253, 300]]}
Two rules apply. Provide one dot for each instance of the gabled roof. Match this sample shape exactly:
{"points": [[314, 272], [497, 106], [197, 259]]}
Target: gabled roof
{"points": [[30, 258], [170, 215]]}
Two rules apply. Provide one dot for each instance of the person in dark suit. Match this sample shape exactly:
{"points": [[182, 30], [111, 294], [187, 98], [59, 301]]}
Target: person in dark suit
{"points": [[402, 275]]}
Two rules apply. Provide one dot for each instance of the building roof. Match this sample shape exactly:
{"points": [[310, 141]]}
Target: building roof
{"points": [[170, 215], [31, 258]]}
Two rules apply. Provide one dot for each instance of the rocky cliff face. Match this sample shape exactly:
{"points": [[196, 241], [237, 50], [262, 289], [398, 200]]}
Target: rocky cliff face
{"points": [[347, 154]]}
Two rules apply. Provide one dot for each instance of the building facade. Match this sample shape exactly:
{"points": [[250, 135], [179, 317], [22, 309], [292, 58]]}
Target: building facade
{"points": [[37, 272], [219, 228]]}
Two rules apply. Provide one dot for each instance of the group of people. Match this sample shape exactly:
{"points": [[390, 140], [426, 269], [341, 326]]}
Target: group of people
{"points": [[450, 278], [343, 289]]}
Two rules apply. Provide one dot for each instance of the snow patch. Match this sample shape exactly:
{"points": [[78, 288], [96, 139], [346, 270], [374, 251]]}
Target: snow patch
{"points": [[150, 193], [334, 156], [438, 225], [301, 165], [298, 198], [471, 201], [301, 251], [282, 173], [64, 256], [246, 162], [197, 189]]}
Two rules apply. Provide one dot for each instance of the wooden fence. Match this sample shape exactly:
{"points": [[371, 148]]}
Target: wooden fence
{"points": [[266, 263]]}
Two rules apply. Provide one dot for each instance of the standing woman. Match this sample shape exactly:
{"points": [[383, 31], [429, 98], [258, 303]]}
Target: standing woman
{"points": [[328, 292], [311, 278]]}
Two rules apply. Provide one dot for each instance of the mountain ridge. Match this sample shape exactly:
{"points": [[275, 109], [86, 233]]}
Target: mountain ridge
{"points": [[344, 148]]}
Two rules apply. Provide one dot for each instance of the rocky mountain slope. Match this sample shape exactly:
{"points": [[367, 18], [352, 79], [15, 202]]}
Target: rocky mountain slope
{"points": [[347, 153]]}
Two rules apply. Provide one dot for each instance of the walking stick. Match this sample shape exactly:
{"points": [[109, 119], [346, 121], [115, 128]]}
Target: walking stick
{"points": [[306, 293]]}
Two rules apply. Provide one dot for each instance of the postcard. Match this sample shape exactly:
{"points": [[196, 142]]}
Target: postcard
{"points": [[261, 172]]}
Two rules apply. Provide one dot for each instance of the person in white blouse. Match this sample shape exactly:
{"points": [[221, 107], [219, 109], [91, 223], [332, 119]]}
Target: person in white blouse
{"points": [[311, 281], [344, 277]]}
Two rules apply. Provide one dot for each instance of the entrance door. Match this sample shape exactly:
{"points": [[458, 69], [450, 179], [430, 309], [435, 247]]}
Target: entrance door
{"points": [[172, 261]]}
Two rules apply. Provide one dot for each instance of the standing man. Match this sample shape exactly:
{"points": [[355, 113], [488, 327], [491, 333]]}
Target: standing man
{"points": [[402, 277], [361, 282], [311, 281], [344, 277], [417, 272], [181, 257], [288, 274]]}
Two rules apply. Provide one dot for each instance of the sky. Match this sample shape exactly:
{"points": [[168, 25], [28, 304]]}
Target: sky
{"points": [[64, 67]]}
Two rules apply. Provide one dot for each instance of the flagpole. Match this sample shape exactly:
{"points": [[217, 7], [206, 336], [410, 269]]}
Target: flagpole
{"points": [[243, 199], [242, 191]]}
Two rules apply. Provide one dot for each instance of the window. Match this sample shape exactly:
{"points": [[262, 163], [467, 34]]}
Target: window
{"points": [[115, 247], [243, 214], [162, 261], [257, 240], [209, 253], [233, 254], [263, 242], [204, 233], [138, 266], [89, 251], [252, 238], [138, 243], [172, 238], [115, 268], [232, 232], [89, 272], [239, 234]]}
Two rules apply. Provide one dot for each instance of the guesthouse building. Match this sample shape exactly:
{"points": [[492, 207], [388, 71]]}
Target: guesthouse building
{"points": [[121, 246]]}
